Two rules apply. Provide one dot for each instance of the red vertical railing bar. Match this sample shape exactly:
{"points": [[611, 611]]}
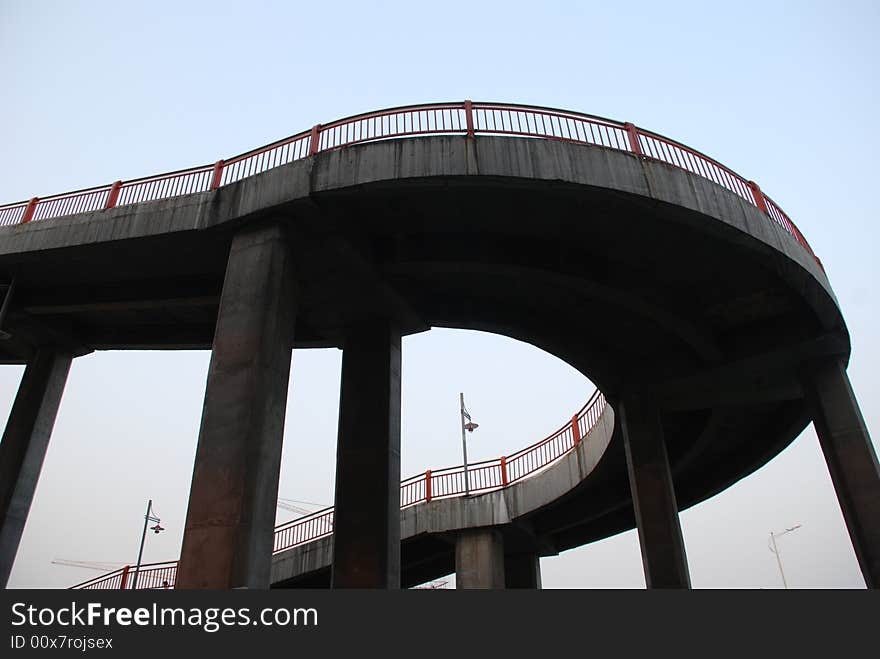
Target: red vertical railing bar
{"points": [[124, 581], [314, 140], [760, 202], [469, 117], [503, 471], [428, 485], [632, 134], [575, 430], [217, 174], [29, 210], [113, 195]]}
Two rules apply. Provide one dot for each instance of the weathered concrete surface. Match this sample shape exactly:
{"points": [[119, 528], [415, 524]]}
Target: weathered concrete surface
{"points": [[503, 507], [24, 445], [366, 523], [851, 459], [231, 516], [479, 559], [653, 495]]}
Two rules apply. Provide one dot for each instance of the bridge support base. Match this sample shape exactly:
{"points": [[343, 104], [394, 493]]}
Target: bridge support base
{"points": [[522, 570], [24, 445], [228, 538], [852, 461], [479, 559], [653, 494], [366, 535]]}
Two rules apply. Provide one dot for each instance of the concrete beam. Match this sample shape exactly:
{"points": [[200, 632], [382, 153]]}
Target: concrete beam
{"points": [[228, 538], [851, 459], [769, 375], [366, 537], [123, 305], [28, 334], [653, 494], [731, 394], [522, 570], [479, 559], [24, 445]]}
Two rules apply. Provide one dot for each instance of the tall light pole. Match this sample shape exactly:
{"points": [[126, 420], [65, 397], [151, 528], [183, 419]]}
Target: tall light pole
{"points": [[468, 426], [775, 550], [149, 517]]}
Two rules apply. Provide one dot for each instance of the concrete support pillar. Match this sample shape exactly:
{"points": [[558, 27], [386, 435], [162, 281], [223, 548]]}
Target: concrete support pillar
{"points": [[522, 570], [852, 461], [479, 559], [24, 445], [366, 527], [227, 541], [653, 494]]}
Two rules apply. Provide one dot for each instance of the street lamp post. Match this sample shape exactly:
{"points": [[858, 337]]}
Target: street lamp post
{"points": [[775, 550], [149, 517], [469, 426]]}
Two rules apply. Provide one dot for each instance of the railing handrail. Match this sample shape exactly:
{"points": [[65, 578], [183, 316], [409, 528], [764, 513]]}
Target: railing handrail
{"points": [[622, 136], [580, 413], [594, 399], [315, 530], [125, 569]]}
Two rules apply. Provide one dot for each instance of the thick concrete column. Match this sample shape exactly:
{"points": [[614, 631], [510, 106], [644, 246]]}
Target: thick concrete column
{"points": [[24, 445], [228, 538], [653, 494], [852, 461], [479, 559], [366, 527], [522, 570]]}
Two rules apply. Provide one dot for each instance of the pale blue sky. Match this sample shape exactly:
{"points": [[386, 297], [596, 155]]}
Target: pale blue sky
{"points": [[785, 93]]}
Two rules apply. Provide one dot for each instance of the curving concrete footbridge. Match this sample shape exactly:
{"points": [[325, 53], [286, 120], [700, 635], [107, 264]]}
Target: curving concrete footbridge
{"points": [[677, 286], [487, 539], [486, 536]]}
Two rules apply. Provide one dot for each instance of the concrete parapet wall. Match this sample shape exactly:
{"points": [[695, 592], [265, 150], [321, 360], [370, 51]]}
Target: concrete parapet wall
{"points": [[416, 158]]}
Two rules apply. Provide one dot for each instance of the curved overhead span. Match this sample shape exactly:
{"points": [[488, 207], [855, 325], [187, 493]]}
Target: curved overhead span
{"points": [[642, 263]]}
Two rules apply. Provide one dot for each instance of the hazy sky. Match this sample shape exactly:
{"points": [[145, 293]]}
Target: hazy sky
{"points": [[785, 93]]}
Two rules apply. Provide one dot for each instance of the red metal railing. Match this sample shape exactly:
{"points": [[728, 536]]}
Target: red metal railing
{"points": [[152, 576], [440, 118], [433, 484]]}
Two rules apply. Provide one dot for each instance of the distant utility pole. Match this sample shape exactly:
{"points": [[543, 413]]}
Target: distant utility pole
{"points": [[149, 517], [775, 550], [470, 426]]}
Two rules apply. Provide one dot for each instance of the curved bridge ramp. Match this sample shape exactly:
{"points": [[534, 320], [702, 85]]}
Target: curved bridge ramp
{"points": [[431, 529], [509, 495]]}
